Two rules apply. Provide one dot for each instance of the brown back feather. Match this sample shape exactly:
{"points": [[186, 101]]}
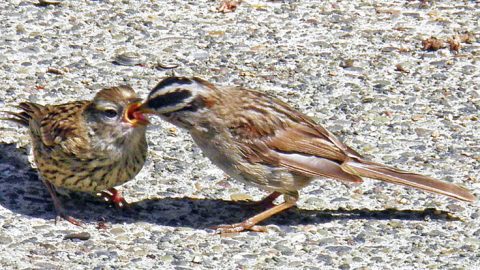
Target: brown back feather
{"points": [[279, 135]]}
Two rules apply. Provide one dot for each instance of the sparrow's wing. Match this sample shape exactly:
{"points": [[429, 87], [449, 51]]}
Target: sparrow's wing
{"points": [[299, 144], [282, 136], [287, 148], [55, 126], [63, 125]]}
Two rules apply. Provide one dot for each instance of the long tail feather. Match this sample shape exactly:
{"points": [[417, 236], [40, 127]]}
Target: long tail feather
{"points": [[395, 176], [28, 111]]}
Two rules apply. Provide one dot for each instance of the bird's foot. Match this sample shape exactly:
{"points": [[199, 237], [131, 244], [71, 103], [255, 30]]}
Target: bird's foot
{"points": [[238, 227], [251, 223], [62, 215], [58, 206], [114, 196]]}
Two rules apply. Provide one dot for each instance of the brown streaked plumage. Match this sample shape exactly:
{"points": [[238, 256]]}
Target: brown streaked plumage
{"points": [[260, 140], [88, 146]]}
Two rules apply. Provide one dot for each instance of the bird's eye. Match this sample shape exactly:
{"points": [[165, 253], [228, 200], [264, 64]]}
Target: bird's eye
{"points": [[110, 113]]}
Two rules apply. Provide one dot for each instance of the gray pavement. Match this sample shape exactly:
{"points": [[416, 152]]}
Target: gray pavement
{"points": [[357, 67]]}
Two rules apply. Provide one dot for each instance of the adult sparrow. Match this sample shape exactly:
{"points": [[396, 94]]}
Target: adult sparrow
{"points": [[260, 140], [90, 146]]}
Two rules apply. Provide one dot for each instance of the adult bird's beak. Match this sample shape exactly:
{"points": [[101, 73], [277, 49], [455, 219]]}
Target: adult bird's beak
{"points": [[134, 116], [144, 108]]}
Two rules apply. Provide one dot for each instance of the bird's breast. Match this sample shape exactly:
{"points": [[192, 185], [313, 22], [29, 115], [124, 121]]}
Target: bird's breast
{"points": [[93, 174]]}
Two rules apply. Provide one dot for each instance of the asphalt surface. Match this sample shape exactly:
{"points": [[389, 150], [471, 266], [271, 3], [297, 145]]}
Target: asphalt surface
{"points": [[356, 67]]}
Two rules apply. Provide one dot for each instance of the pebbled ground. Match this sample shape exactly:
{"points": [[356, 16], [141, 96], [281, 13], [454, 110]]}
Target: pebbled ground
{"points": [[357, 67]]}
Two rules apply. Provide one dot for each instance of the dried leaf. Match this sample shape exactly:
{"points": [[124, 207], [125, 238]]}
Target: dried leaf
{"points": [[400, 68], [228, 5], [432, 44], [454, 43]]}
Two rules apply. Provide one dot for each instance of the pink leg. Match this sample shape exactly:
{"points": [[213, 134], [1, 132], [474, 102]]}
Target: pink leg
{"points": [[114, 196], [250, 224], [267, 202], [58, 205]]}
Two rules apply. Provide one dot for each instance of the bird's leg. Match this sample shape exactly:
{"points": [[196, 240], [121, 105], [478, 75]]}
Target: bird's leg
{"points": [[117, 198], [250, 224], [114, 196], [267, 202], [58, 205]]}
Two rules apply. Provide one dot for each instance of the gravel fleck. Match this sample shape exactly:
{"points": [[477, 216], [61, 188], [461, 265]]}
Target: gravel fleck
{"points": [[80, 236]]}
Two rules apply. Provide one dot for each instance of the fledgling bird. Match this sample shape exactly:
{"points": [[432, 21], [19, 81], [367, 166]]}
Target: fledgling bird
{"points": [[89, 146], [260, 140]]}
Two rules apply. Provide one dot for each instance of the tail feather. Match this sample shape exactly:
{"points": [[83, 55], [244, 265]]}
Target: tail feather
{"points": [[28, 111], [395, 176]]}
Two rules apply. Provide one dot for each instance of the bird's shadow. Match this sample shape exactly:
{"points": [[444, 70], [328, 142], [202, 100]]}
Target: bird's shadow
{"points": [[22, 192]]}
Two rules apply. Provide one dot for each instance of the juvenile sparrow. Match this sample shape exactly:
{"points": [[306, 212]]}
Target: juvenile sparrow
{"points": [[88, 146], [260, 140]]}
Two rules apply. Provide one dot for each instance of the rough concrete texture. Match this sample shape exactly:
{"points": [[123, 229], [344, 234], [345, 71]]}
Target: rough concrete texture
{"points": [[357, 67]]}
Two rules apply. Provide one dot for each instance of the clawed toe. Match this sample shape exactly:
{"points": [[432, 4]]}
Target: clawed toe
{"points": [[237, 228], [115, 197], [63, 215], [122, 204], [251, 223], [58, 206]]}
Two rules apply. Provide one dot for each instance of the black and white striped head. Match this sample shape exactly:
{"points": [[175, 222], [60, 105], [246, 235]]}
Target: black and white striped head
{"points": [[177, 94]]}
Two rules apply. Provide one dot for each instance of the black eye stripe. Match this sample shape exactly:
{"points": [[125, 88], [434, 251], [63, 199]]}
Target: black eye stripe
{"points": [[168, 82], [169, 99]]}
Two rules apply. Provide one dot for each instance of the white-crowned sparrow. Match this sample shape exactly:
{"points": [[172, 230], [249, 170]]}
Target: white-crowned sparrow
{"points": [[260, 140]]}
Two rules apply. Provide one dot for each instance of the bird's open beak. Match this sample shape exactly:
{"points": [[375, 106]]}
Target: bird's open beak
{"points": [[134, 116]]}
